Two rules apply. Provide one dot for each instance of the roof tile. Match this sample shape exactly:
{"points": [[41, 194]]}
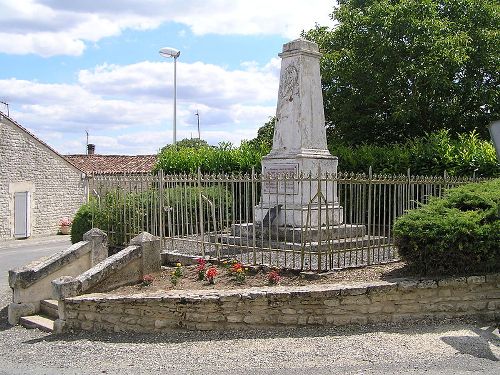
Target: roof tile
{"points": [[113, 164]]}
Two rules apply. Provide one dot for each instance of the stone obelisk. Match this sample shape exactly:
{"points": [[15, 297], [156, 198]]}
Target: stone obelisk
{"points": [[299, 147]]}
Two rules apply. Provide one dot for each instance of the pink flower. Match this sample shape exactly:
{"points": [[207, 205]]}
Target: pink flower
{"points": [[65, 222]]}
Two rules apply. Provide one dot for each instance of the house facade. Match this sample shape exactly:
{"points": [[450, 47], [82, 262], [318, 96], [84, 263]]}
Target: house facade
{"points": [[38, 186]]}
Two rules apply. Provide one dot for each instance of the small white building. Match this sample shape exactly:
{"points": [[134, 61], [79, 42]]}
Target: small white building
{"points": [[38, 186]]}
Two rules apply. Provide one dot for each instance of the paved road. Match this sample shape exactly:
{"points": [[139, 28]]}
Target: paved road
{"points": [[451, 348], [20, 252]]}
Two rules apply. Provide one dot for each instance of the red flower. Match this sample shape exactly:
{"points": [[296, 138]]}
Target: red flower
{"points": [[202, 263], [235, 267], [273, 277], [211, 273]]}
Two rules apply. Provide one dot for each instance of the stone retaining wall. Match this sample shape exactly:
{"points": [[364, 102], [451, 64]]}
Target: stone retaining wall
{"points": [[31, 283], [127, 267], [334, 305]]}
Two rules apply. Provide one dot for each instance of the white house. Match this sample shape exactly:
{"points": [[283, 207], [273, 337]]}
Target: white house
{"points": [[38, 186]]}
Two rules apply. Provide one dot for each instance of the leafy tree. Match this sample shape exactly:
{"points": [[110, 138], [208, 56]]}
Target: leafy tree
{"points": [[265, 134], [397, 69]]}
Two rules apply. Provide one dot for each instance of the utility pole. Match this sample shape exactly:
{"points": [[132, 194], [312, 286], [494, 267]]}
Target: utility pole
{"points": [[198, 115]]}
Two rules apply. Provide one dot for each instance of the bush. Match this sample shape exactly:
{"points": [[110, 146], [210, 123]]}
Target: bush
{"points": [[432, 155], [184, 202], [221, 159], [456, 234], [464, 156], [82, 222], [123, 215]]}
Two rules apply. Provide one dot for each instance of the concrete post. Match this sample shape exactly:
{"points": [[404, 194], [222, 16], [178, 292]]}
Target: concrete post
{"points": [[151, 257], [99, 245]]}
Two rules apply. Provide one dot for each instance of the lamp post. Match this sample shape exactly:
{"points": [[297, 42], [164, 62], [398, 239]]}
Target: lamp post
{"points": [[172, 52], [197, 114]]}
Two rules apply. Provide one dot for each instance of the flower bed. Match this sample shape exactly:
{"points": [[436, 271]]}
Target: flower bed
{"points": [[234, 275]]}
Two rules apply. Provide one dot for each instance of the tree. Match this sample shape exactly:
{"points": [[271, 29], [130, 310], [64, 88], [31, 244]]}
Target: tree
{"points": [[397, 69], [265, 134]]}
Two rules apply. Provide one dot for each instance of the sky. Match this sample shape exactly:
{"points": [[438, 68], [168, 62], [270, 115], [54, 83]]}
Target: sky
{"points": [[68, 67]]}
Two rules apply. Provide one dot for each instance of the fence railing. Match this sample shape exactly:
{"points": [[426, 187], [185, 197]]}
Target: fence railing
{"points": [[346, 219]]}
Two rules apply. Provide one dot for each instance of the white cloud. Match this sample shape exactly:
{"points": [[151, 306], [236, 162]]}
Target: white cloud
{"points": [[128, 109], [199, 82], [61, 27], [43, 44], [287, 17]]}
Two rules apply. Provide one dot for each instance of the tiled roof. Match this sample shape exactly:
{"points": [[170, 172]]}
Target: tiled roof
{"points": [[113, 164]]}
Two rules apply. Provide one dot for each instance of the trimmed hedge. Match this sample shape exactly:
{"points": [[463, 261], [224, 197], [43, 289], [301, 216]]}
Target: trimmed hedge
{"points": [[221, 159], [456, 234], [460, 155], [432, 155]]}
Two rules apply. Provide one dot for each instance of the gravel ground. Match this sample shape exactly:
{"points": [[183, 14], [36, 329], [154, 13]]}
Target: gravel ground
{"points": [[451, 348]]}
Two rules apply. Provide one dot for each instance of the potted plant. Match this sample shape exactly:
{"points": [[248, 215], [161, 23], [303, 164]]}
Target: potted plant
{"points": [[65, 225]]}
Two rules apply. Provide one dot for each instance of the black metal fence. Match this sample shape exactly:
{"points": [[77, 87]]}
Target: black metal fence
{"points": [[347, 219]]}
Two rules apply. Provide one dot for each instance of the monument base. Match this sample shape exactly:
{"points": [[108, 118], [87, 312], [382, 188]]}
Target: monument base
{"points": [[299, 216], [299, 190], [347, 242]]}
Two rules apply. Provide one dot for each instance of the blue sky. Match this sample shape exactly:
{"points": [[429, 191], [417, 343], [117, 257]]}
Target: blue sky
{"points": [[67, 66]]}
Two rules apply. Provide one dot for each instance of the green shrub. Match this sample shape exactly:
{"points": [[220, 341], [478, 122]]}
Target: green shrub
{"points": [[123, 215], [82, 222], [456, 234], [394, 159], [184, 202], [432, 155], [221, 159]]}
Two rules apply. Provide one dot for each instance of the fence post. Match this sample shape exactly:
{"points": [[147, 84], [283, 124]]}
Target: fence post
{"points": [[254, 204], [406, 207], [370, 175], [445, 177], [161, 209], [202, 222], [319, 220]]}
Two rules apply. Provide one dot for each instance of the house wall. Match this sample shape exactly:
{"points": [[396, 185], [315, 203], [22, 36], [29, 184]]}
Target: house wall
{"points": [[57, 188]]}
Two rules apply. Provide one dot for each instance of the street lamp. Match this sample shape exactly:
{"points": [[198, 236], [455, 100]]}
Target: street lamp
{"points": [[197, 114], [172, 52]]}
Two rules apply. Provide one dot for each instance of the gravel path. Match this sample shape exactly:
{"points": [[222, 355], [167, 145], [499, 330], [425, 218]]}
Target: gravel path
{"points": [[453, 348]]}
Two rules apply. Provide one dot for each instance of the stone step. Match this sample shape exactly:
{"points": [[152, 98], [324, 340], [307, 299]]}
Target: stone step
{"points": [[336, 245], [50, 308], [41, 322], [295, 234]]}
